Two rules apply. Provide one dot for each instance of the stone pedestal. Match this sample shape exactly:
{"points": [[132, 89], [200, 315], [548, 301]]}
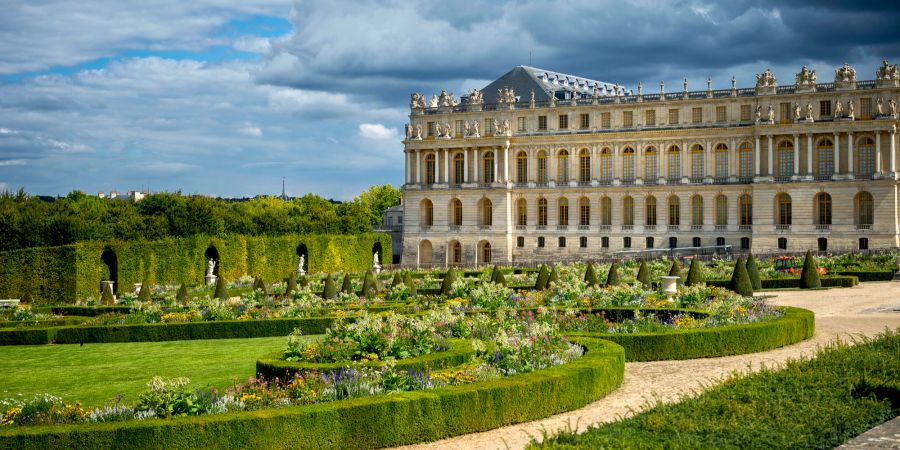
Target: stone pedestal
{"points": [[211, 279]]}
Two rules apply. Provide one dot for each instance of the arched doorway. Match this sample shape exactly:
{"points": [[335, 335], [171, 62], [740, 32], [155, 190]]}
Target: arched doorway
{"points": [[425, 252], [212, 253], [303, 254], [111, 261]]}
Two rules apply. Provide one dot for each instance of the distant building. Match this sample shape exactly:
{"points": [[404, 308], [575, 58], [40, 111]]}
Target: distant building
{"points": [[392, 223]]}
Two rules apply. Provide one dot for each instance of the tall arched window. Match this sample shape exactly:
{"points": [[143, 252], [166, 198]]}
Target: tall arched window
{"points": [[458, 168], [584, 212], [628, 211], [522, 212], [785, 159], [542, 167], [542, 212], [488, 167], [562, 212], [605, 211], [456, 212], [455, 253], [628, 164], [485, 252], [606, 165], [865, 158], [783, 209], [697, 161], [823, 208], [721, 161], [650, 206], [746, 207], [562, 166], [427, 209], [487, 212], [522, 167], [674, 211], [650, 164], [746, 160], [674, 162], [429, 169], [824, 159], [697, 210], [721, 210], [584, 165], [865, 209]]}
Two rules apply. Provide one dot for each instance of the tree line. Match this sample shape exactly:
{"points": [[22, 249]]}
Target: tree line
{"points": [[32, 221]]}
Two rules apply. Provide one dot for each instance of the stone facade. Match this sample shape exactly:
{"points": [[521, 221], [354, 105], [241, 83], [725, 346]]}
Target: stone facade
{"points": [[768, 168]]}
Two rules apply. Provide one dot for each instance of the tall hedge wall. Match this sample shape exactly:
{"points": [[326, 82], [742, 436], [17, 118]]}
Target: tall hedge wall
{"points": [[65, 274]]}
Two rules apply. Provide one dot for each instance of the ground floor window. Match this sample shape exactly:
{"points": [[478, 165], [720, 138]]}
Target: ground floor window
{"points": [[562, 241], [863, 243], [673, 242], [745, 243], [823, 244], [782, 243], [604, 242], [626, 242], [696, 241], [540, 241], [520, 241], [720, 241], [649, 242]]}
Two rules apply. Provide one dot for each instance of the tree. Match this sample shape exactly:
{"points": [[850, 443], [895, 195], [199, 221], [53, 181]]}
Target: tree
{"points": [[644, 275], [612, 279], [221, 289], [590, 276], [753, 271], [695, 273], [809, 275], [741, 284], [330, 291], [377, 199], [734, 273], [447, 283]]}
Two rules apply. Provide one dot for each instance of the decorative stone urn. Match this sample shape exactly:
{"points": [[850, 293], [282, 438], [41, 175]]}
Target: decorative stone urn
{"points": [[670, 287]]}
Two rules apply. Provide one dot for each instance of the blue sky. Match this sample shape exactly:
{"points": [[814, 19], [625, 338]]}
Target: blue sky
{"points": [[226, 97]]}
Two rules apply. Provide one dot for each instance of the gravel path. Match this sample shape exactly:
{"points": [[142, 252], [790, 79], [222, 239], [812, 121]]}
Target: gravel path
{"points": [[840, 313]]}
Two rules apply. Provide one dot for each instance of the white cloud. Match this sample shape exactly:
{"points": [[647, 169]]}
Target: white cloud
{"points": [[6, 131], [250, 130], [13, 162], [167, 167], [377, 131]]}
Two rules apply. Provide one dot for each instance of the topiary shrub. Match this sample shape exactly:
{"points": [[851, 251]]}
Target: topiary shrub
{"points": [[499, 278], [446, 284], [106, 297], [259, 285], [144, 293], [553, 277], [369, 289], [182, 295], [734, 273], [612, 279], [303, 281], [590, 276], [644, 275], [543, 278], [809, 276], [695, 273], [675, 271], [291, 283], [397, 279], [741, 283], [410, 283], [221, 289], [330, 291], [753, 271], [347, 285]]}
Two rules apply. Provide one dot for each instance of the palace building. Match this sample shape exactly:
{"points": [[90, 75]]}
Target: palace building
{"points": [[540, 165]]}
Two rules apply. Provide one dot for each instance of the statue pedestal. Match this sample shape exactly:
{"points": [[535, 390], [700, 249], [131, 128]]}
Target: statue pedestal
{"points": [[211, 279], [376, 269]]}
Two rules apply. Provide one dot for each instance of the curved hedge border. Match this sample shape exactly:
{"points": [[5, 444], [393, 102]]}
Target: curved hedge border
{"points": [[381, 421], [795, 325], [273, 365]]}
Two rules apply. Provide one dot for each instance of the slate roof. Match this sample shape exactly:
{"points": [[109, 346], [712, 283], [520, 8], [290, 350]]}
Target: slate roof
{"points": [[524, 79]]}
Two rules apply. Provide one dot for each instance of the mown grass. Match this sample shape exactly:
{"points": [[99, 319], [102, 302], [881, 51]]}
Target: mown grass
{"points": [[817, 403], [96, 373]]}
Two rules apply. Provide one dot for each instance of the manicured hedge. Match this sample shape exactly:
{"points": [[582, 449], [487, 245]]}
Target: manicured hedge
{"points": [[65, 274], [274, 366], [70, 320], [794, 283], [875, 275], [226, 329], [89, 311], [382, 421], [794, 326]]}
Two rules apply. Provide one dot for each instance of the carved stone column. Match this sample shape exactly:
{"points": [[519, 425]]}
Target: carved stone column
{"points": [[809, 155], [850, 171], [756, 151], [878, 152], [465, 164], [496, 164], [447, 166], [418, 153], [796, 154], [771, 154], [893, 165], [476, 165], [506, 162], [837, 152]]}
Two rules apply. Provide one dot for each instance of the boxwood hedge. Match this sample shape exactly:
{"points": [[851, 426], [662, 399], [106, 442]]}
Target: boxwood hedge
{"points": [[794, 283], [382, 421]]}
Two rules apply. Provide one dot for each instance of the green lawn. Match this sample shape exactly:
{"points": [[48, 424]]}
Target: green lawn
{"points": [[96, 373]]}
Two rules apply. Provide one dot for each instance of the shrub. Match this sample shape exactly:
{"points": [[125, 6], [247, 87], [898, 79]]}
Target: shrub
{"points": [[612, 278], [543, 278], [695, 273], [675, 271], [741, 280], [291, 283], [447, 283], [809, 275], [259, 285], [498, 276], [397, 279], [644, 275], [590, 276], [753, 271], [554, 276], [347, 284], [368, 288], [330, 291], [106, 298], [182, 294], [410, 283], [144, 293], [221, 289], [303, 281]]}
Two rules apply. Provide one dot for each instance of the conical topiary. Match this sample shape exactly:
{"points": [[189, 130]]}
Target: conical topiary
{"points": [[494, 271], [809, 276], [291, 283], [612, 278], [447, 283], [397, 279], [675, 271], [347, 285], [695, 273], [182, 294], [259, 285], [330, 291], [734, 272], [753, 271], [303, 281], [741, 283], [554, 276], [644, 275], [499, 278], [410, 283], [590, 276], [106, 297], [368, 287], [221, 289], [144, 293], [543, 277]]}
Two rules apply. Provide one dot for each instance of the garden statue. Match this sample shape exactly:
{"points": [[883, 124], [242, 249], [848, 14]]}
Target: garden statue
{"points": [[300, 268], [210, 268], [375, 264]]}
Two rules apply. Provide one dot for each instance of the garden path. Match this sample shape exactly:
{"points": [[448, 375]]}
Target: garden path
{"points": [[865, 309]]}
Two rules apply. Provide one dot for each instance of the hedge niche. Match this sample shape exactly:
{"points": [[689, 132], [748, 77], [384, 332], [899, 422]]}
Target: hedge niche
{"points": [[73, 272]]}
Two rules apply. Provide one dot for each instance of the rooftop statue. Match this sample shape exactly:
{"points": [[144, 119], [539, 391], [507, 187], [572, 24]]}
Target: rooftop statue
{"points": [[805, 78], [887, 71], [475, 97], [416, 100], [766, 79], [845, 74]]}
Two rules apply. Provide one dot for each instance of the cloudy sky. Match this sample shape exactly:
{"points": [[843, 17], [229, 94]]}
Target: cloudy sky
{"points": [[226, 97]]}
